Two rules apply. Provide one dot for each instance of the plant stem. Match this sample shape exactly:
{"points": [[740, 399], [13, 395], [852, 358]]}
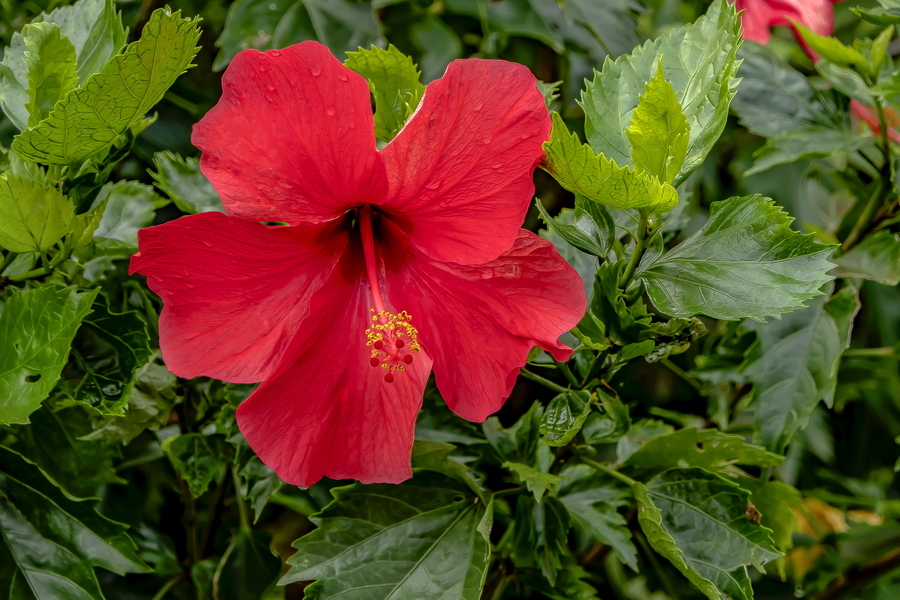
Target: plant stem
{"points": [[683, 374], [858, 577], [887, 352], [168, 586], [640, 244], [30, 274], [239, 499], [864, 217], [611, 472], [565, 371], [543, 381]]}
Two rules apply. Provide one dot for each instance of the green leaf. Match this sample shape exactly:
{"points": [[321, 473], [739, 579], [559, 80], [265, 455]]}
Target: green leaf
{"points": [[258, 484], [707, 448], [745, 262], [794, 363], [831, 49], [589, 227], [539, 535], [49, 544], [106, 353], [564, 417], [436, 457], [698, 59], [774, 98], [394, 82], [877, 258], [248, 567], [538, 483], [181, 180], [594, 511], [36, 330], [878, 15], [599, 179], [814, 141], [423, 539], [698, 521], [519, 442], [639, 434], [659, 131], [32, 217], [265, 24], [776, 503], [14, 82], [53, 441], [198, 459], [147, 407], [130, 206], [93, 117], [50, 58]]}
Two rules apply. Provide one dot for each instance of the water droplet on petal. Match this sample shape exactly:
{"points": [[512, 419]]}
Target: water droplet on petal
{"points": [[316, 70], [330, 111], [207, 243], [342, 76], [497, 164], [479, 106], [270, 86], [275, 53], [433, 185], [486, 274]]}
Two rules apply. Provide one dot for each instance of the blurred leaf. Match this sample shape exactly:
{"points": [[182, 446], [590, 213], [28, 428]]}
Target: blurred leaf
{"points": [[49, 543], [564, 417], [877, 257], [776, 503], [774, 98], [106, 353], [698, 59], [93, 117], [148, 406], [599, 179], [812, 141], [32, 217], [538, 483], [78, 467], [181, 180], [832, 49], [130, 206], [594, 511], [50, 58], [698, 521], [745, 262], [658, 131], [794, 365], [540, 535], [639, 434], [394, 82], [588, 228], [265, 24], [198, 459], [707, 448], [258, 483], [439, 44], [36, 330], [247, 568], [411, 540], [878, 15]]}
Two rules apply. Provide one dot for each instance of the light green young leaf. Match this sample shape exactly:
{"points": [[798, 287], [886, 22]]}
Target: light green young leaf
{"points": [[394, 82], [776, 502], [424, 539], [50, 58], [831, 49], [659, 132], [877, 258], [564, 417], [745, 262], [36, 330], [707, 448], [49, 544], [794, 365], [14, 82], [32, 217], [93, 117], [181, 180], [537, 482], [698, 59], [599, 179], [130, 206], [698, 521]]}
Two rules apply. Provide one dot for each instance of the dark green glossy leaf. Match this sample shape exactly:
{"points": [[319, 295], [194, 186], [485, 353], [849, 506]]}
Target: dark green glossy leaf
{"points": [[437, 457], [519, 442], [588, 228], [36, 331], [106, 354], [198, 458], [247, 568], [594, 511], [540, 535], [794, 364], [564, 417], [745, 262], [639, 434], [416, 540], [537, 482], [258, 484], [877, 257], [181, 180]]}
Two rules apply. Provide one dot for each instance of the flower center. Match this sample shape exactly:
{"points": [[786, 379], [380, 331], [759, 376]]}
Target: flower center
{"points": [[392, 337]]}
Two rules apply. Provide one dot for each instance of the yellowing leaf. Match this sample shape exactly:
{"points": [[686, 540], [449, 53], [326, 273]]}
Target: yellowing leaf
{"points": [[600, 179], [659, 131]]}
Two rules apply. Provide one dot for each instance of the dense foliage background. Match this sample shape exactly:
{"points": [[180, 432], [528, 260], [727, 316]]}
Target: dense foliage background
{"points": [[694, 446]]}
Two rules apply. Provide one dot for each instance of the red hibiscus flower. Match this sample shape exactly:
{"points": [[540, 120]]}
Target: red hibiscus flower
{"points": [[760, 16], [392, 262], [867, 115]]}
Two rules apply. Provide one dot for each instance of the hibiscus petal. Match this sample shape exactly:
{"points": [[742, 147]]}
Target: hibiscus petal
{"points": [[327, 411], [461, 169], [760, 15], [479, 322], [234, 292], [292, 138]]}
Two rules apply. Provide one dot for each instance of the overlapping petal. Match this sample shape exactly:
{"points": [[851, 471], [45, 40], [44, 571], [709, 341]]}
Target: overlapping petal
{"points": [[479, 322], [234, 292], [461, 169], [760, 16], [292, 138], [327, 411]]}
